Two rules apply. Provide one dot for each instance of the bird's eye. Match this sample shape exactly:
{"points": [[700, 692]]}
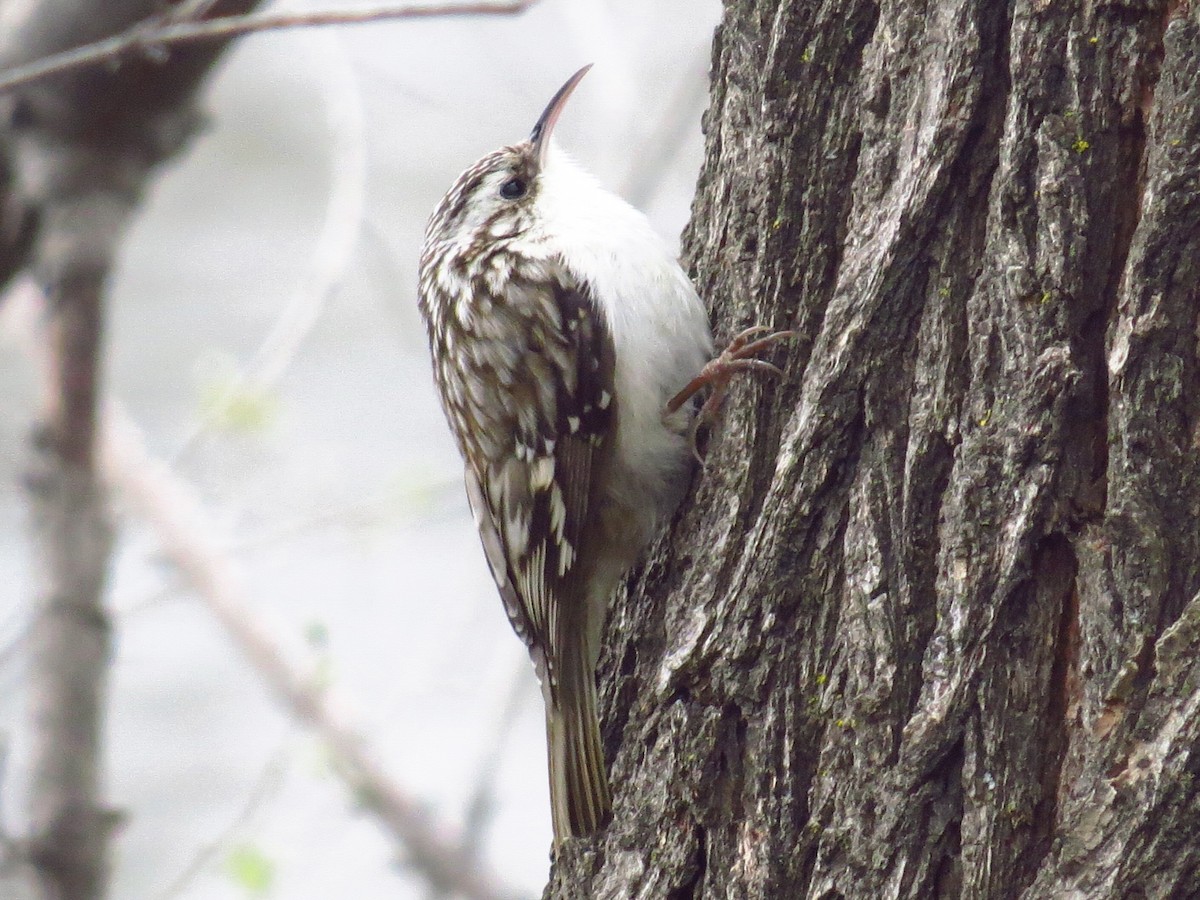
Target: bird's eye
{"points": [[512, 189]]}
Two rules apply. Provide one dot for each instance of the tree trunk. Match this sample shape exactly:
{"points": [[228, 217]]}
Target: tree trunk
{"points": [[930, 624], [79, 149]]}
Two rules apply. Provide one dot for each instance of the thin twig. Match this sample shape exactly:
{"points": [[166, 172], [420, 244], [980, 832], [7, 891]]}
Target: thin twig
{"points": [[481, 803], [346, 121], [6, 842], [12, 644], [189, 10], [267, 785], [673, 126], [334, 247], [137, 41]]}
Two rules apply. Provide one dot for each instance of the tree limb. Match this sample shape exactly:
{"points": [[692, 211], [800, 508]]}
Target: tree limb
{"points": [[184, 530], [78, 153], [150, 38]]}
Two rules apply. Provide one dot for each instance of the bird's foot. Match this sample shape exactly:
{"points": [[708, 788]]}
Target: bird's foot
{"points": [[740, 356]]}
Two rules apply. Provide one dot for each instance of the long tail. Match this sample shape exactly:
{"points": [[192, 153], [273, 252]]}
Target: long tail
{"points": [[580, 802]]}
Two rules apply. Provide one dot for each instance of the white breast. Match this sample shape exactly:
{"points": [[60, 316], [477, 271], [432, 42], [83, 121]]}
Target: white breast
{"points": [[659, 326]]}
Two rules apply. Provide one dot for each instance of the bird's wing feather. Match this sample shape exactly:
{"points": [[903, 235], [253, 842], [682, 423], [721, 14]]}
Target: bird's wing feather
{"points": [[546, 416]]}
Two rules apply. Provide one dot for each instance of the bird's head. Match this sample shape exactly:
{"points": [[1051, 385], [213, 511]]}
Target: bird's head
{"points": [[496, 198]]}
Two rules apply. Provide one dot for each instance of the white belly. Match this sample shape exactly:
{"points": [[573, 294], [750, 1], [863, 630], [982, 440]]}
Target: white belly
{"points": [[661, 341]]}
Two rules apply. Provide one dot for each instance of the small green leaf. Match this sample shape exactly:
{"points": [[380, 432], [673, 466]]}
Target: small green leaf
{"points": [[250, 868], [316, 633], [229, 401], [237, 408], [322, 676]]}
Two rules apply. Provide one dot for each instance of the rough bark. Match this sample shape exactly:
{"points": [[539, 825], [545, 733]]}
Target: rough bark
{"points": [[80, 147], [929, 624]]}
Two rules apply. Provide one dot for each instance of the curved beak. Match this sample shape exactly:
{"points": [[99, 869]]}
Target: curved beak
{"points": [[540, 136]]}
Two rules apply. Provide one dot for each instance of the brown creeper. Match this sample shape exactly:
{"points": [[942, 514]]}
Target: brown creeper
{"points": [[566, 344]]}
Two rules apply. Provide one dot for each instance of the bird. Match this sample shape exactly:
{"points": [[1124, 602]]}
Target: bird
{"points": [[567, 345]]}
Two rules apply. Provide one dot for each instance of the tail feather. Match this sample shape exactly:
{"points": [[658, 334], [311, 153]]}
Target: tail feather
{"points": [[580, 802]]}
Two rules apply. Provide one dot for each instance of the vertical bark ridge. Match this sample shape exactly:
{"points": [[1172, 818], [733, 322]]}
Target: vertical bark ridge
{"points": [[1140, 562], [946, 572]]}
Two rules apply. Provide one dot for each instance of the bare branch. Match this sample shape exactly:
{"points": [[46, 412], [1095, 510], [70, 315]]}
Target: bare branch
{"points": [[170, 506], [184, 529], [149, 38], [80, 194]]}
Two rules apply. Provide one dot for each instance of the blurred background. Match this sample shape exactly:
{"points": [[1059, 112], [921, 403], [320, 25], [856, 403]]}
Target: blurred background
{"points": [[265, 342]]}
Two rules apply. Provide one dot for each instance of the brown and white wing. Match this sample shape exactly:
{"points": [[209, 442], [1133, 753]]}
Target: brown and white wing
{"points": [[536, 375]]}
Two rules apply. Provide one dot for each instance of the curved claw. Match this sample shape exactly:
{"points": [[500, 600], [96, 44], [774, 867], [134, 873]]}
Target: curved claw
{"points": [[762, 343], [740, 339], [753, 365], [739, 356], [689, 390]]}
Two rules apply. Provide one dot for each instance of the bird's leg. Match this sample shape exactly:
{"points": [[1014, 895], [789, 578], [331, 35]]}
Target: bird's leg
{"points": [[740, 356]]}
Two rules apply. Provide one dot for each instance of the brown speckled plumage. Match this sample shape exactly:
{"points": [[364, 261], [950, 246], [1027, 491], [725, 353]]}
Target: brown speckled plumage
{"points": [[523, 363]]}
